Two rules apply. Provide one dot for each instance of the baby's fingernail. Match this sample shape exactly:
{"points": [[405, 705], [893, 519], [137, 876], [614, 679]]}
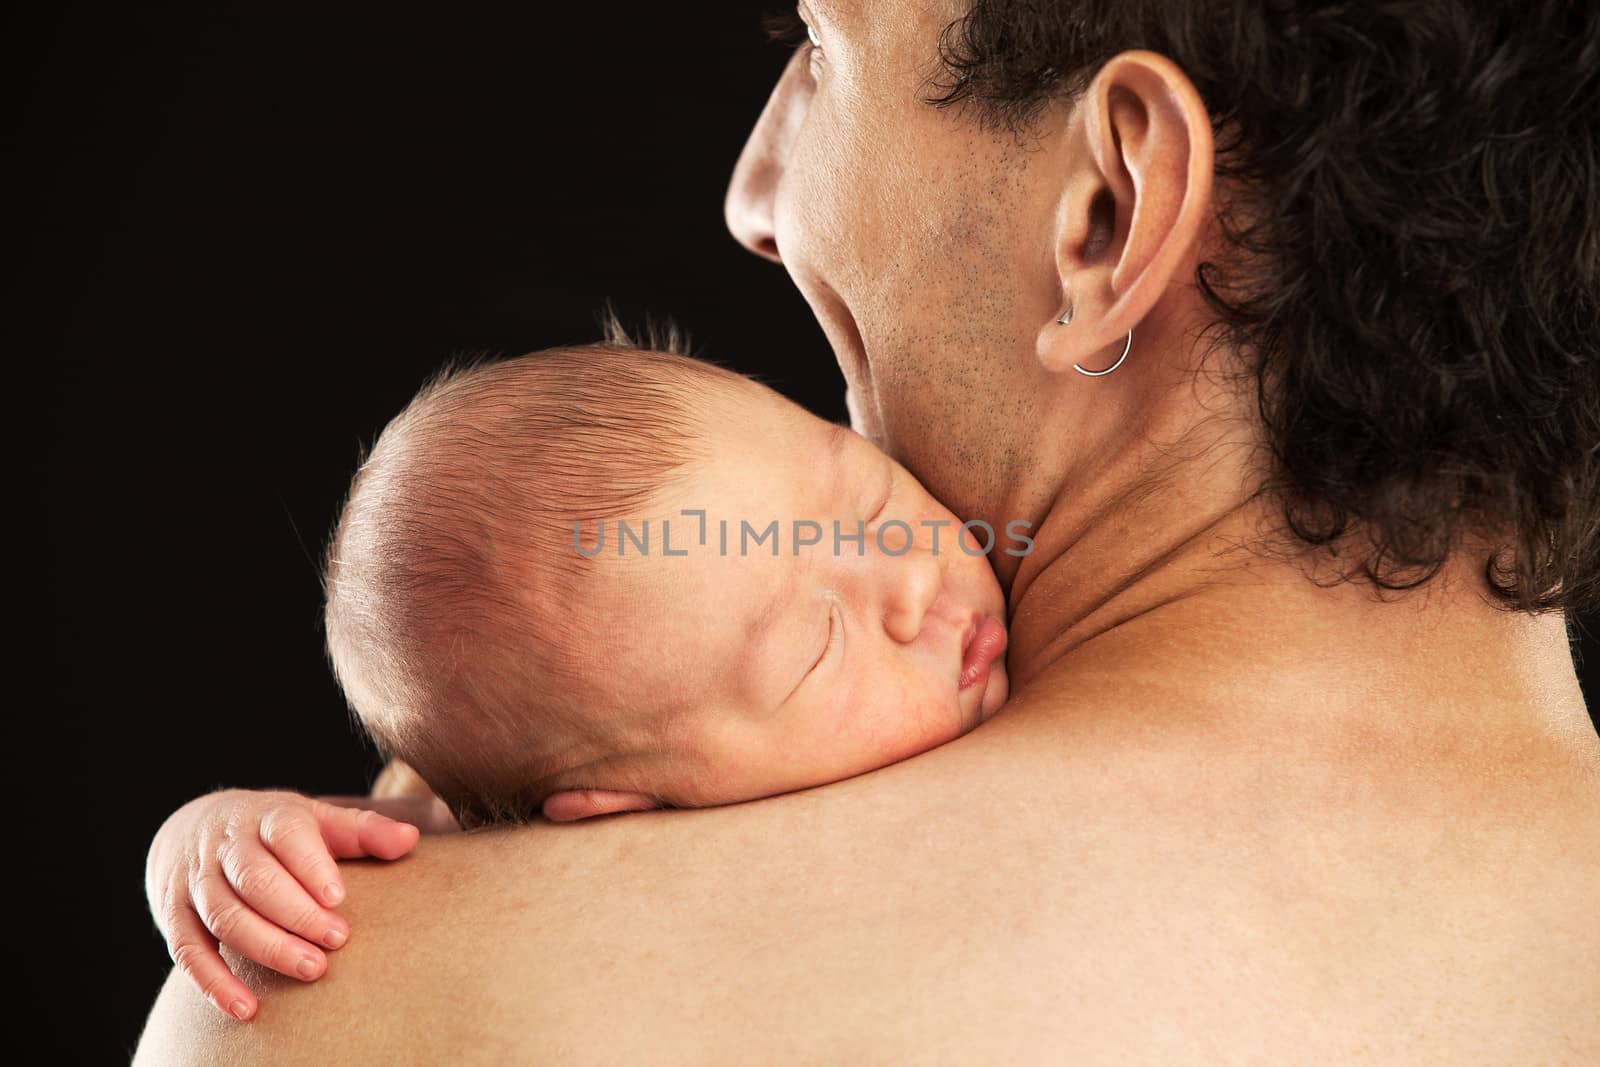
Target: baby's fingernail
{"points": [[332, 893], [333, 938], [240, 1010], [307, 968]]}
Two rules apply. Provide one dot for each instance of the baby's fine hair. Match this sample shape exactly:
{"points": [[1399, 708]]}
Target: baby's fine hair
{"points": [[451, 575]]}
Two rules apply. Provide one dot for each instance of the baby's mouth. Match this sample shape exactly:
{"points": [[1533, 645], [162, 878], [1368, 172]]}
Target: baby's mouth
{"points": [[985, 643]]}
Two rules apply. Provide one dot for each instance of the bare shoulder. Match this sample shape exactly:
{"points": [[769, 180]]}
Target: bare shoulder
{"points": [[1016, 895]]}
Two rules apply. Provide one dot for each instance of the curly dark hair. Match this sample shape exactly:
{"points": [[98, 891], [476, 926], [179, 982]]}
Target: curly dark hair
{"points": [[1421, 309]]}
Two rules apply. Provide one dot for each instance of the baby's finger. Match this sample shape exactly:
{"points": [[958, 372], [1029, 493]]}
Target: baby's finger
{"points": [[194, 951], [270, 887], [232, 922], [296, 836], [353, 832]]}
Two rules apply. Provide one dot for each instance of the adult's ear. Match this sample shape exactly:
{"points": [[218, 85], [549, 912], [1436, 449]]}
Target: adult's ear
{"points": [[570, 805], [1136, 194]]}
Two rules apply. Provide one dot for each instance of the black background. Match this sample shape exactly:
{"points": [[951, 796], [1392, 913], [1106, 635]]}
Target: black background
{"points": [[247, 240]]}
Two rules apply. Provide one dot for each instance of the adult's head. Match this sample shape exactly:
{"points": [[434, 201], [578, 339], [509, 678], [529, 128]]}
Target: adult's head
{"points": [[1357, 248]]}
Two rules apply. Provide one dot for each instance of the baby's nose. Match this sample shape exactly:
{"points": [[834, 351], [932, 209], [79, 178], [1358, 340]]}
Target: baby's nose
{"points": [[915, 581]]}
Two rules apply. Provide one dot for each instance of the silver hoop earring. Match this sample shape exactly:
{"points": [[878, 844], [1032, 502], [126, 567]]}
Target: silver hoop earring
{"points": [[1114, 366]]}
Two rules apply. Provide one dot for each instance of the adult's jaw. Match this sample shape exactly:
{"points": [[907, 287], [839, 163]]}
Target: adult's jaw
{"points": [[850, 351]]}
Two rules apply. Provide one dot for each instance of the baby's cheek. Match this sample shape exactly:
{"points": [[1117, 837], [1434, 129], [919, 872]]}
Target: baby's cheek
{"points": [[871, 723], [916, 720]]}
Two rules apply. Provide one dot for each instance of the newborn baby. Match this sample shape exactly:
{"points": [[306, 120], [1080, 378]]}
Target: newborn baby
{"points": [[604, 579]]}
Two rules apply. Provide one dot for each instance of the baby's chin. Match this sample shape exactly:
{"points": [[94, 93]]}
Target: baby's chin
{"points": [[995, 691], [983, 701]]}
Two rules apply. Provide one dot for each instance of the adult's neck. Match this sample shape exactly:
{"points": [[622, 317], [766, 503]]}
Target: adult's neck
{"points": [[1177, 588]]}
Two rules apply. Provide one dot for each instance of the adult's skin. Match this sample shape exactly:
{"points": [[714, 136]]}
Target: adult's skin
{"points": [[1230, 815]]}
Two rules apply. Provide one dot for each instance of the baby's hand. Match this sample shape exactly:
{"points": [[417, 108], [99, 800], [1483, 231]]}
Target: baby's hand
{"points": [[253, 870]]}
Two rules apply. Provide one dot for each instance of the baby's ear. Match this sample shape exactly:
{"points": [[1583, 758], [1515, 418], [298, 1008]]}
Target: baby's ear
{"points": [[573, 804]]}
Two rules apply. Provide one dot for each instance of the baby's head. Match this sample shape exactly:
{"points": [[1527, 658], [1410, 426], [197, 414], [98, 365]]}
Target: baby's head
{"points": [[494, 625]]}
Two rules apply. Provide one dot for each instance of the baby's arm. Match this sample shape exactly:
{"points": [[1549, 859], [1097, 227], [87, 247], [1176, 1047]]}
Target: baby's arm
{"points": [[255, 871]]}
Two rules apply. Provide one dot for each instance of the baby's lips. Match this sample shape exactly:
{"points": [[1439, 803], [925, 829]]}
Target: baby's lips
{"points": [[985, 644]]}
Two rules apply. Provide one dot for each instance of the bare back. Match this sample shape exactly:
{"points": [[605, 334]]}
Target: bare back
{"points": [[1043, 890]]}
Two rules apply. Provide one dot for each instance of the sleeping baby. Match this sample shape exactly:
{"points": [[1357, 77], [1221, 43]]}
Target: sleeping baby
{"points": [[603, 579]]}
